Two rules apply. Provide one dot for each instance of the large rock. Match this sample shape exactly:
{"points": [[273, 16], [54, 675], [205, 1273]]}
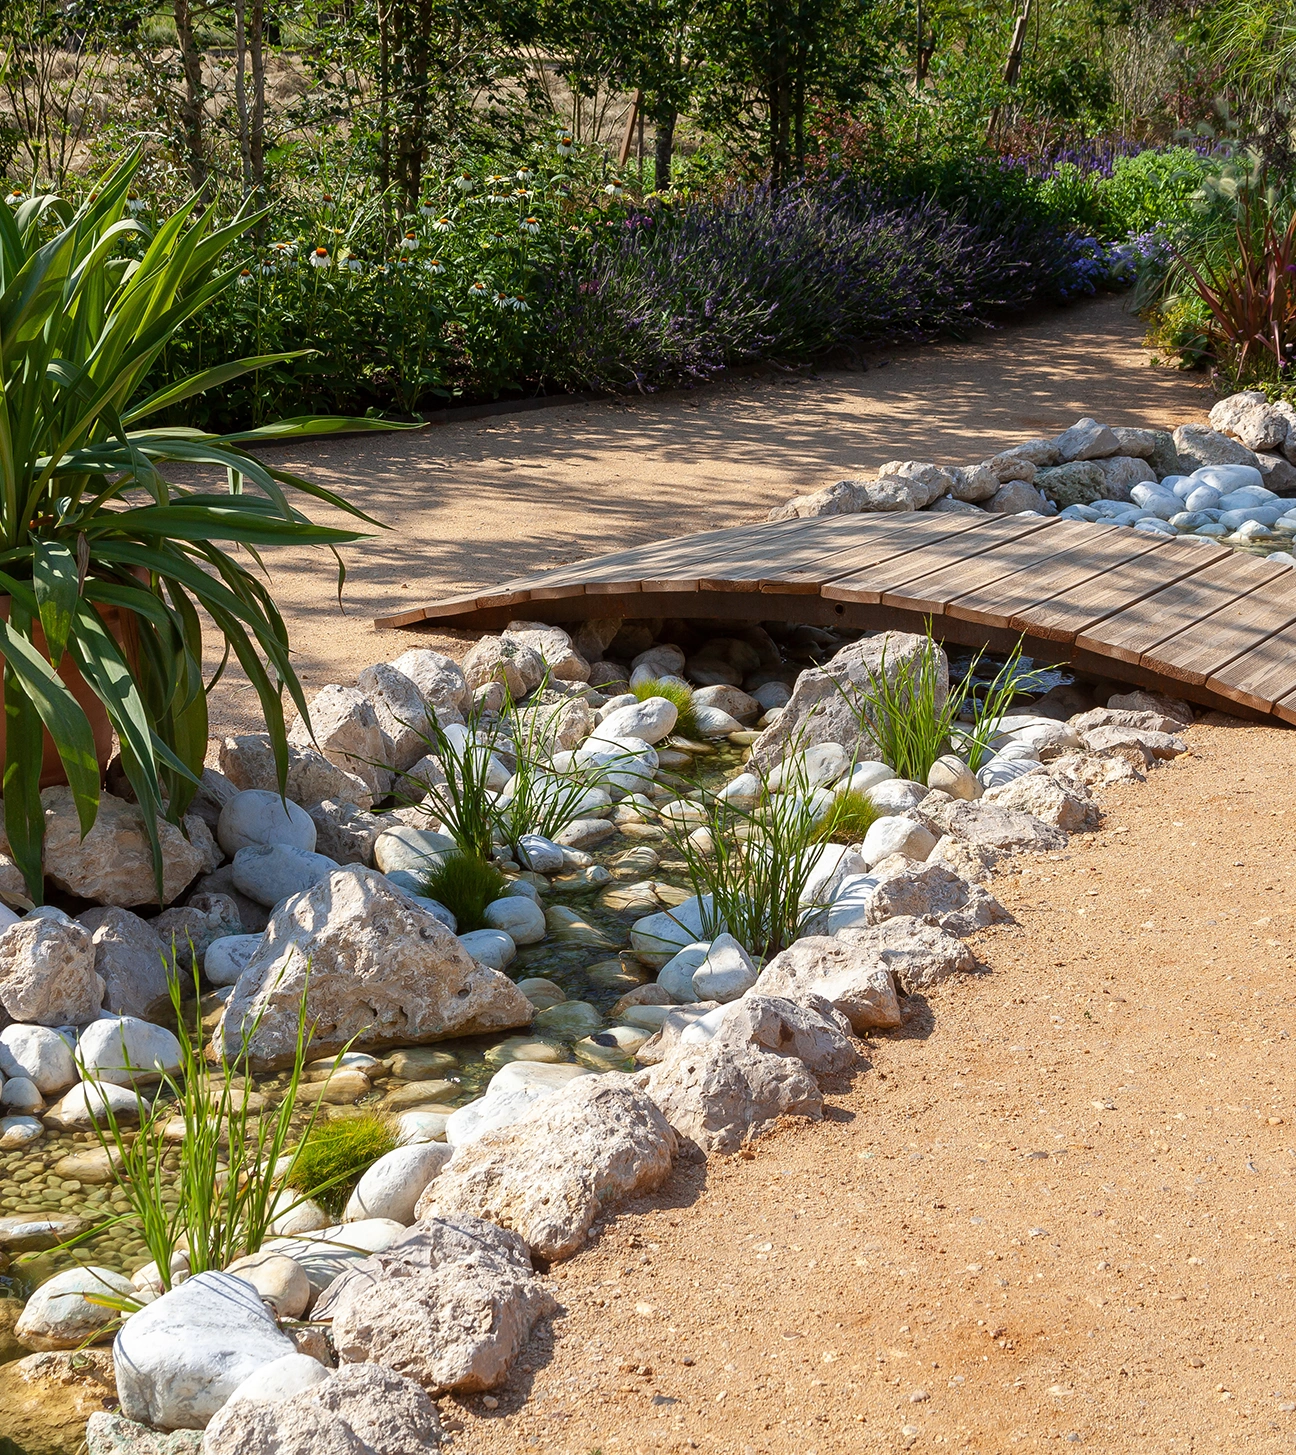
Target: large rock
{"points": [[549, 1176], [820, 708], [113, 864], [128, 957], [1086, 440], [995, 831], [1080, 482], [1123, 472], [347, 732], [939, 895], [180, 1357], [46, 1399], [346, 833], [323, 1253], [248, 762], [1199, 446], [720, 1095], [60, 1315], [553, 646], [39, 1054], [517, 667], [1015, 497], [438, 677], [401, 710], [376, 967], [449, 1326], [361, 1409], [915, 953], [857, 984], [650, 720], [47, 970], [126, 1051], [1048, 800], [1249, 417], [87, 1105]]}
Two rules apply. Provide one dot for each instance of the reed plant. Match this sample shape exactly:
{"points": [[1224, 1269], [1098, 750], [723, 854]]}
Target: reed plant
{"points": [[232, 1162]]}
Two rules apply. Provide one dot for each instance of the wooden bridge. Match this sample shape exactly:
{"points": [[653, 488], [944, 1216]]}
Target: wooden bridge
{"points": [[1198, 621]]}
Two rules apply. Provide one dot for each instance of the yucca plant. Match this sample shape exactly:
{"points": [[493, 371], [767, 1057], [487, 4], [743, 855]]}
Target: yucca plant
{"points": [[89, 299]]}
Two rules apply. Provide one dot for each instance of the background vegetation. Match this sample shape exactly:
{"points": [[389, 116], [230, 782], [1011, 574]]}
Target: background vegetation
{"points": [[475, 200]]}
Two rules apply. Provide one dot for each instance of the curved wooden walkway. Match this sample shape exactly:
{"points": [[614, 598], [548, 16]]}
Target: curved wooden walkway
{"points": [[1198, 621]]}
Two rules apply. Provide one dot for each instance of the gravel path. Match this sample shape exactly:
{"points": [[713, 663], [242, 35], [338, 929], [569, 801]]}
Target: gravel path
{"points": [[1055, 1209], [476, 502]]}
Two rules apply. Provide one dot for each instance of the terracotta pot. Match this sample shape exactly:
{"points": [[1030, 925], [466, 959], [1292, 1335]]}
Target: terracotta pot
{"points": [[52, 771]]}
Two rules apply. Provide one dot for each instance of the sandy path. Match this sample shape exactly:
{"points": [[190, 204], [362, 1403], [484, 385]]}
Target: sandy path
{"points": [[477, 502], [1057, 1207]]}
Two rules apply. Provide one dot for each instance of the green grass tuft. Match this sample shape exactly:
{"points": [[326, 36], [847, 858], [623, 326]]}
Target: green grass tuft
{"points": [[686, 724], [850, 818], [465, 885], [336, 1154]]}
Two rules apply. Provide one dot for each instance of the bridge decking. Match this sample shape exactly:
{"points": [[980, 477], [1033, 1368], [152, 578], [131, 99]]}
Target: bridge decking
{"points": [[1198, 621]]}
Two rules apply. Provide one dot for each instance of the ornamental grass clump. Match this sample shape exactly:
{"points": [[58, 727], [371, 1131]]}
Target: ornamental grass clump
{"points": [[680, 696], [465, 885], [333, 1156], [854, 813], [114, 565]]}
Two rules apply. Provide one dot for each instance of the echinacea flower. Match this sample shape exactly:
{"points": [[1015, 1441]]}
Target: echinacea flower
{"points": [[426, 207], [135, 204], [614, 187], [435, 265], [354, 264], [442, 224], [267, 270], [327, 198], [14, 197], [464, 181], [524, 174], [320, 258], [477, 289], [564, 143], [245, 276], [411, 242], [519, 304], [501, 300], [530, 224]]}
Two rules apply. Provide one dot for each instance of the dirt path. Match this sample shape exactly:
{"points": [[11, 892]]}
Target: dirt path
{"points": [[1057, 1206], [479, 501]]}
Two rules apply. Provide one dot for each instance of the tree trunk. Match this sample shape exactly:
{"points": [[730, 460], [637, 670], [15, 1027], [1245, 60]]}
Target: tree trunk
{"points": [[256, 131], [191, 112], [664, 118], [240, 93]]}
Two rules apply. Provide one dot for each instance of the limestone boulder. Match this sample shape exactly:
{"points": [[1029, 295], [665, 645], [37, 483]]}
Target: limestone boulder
{"points": [[126, 1051], [855, 982], [1080, 482], [1250, 418], [719, 1095], [1086, 440], [271, 873], [1198, 446], [346, 730], [46, 1399], [1049, 800], [934, 893], [113, 864], [995, 831], [392, 1187], [916, 954], [553, 646], [248, 762], [1015, 497], [109, 1433], [180, 1357], [825, 702], [438, 677], [516, 667], [47, 970], [129, 958], [401, 710], [360, 1409], [344, 832], [574, 1156], [377, 968]]}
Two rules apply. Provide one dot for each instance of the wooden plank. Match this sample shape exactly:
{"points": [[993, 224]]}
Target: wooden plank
{"points": [[1197, 653], [1063, 617], [1261, 676], [1130, 633], [1099, 551], [871, 585], [1033, 554], [874, 547]]}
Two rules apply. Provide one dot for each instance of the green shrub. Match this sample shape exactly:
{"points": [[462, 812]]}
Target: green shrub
{"points": [[334, 1156], [686, 724], [1152, 188], [852, 816], [465, 885]]}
